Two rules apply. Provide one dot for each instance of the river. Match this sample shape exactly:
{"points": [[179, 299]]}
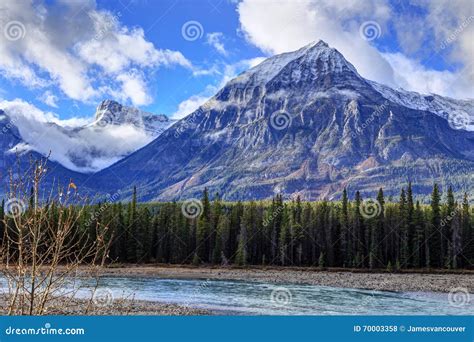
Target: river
{"points": [[245, 297]]}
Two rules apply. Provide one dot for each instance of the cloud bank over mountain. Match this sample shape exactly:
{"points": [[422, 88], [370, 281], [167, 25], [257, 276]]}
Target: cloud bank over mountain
{"points": [[81, 145]]}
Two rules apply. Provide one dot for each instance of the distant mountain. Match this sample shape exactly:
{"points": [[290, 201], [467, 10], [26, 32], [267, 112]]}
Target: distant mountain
{"points": [[14, 153], [305, 123], [110, 112], [116, 132]]}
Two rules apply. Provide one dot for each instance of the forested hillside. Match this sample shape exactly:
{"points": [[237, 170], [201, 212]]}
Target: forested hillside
{"points": [[356, 232]]}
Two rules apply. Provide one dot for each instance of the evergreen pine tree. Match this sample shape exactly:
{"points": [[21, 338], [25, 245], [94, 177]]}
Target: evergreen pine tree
{"points": [[467, 234], [402, 256], [436, 254], [203, 247], [449, 218], [132, 228], [346, 249]]}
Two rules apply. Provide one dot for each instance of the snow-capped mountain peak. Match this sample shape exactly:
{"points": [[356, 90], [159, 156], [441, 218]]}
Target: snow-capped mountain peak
{"points": [[319, 65], [110, 112], [330, 59], [319, 55]]}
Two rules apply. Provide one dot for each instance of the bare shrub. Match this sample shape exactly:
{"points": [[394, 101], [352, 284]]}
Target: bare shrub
{"points": [[43, 245]]}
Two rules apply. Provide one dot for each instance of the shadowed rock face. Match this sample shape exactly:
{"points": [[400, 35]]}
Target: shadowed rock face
{"points": [[302, 123]]}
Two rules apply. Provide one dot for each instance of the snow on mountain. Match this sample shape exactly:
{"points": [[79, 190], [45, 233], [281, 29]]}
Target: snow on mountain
{"points": [[459, 113], [304, 123], [110, 112], [329, 60]]}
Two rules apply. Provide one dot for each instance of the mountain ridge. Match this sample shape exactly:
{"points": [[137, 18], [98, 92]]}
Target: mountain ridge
{"points": [[341, 129], [303, 122]]}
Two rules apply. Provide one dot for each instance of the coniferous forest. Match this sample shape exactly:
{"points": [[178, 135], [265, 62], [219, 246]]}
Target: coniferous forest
{"points": [[352, 233]]}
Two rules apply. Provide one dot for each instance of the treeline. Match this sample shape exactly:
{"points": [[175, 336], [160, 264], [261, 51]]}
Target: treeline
{"points": [[353, 233]]}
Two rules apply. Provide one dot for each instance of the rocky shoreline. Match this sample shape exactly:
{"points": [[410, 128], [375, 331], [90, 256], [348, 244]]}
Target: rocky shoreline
{"points": [[122, 307]]}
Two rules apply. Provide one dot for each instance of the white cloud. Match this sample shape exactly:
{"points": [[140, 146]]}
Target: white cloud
{"points": [[296, 23], [32, 41], [75, 46], [446, 30], [452, 24], [190, 105], [255, 61], [215, 40], [134, 88], [115, 52], [49, 98], [410, 74], [88, 149], [14, 69]]}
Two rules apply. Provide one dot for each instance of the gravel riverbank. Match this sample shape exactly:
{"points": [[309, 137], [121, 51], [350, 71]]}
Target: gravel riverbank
{"points": [[67, 306]]}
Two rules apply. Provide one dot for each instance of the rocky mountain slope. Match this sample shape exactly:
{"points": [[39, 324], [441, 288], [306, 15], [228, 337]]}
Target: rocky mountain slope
{"points": [[305, 123]]}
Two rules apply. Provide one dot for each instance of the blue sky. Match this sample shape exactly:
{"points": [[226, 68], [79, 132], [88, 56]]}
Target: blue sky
{"points": [[65, 57], [173, 85]]}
